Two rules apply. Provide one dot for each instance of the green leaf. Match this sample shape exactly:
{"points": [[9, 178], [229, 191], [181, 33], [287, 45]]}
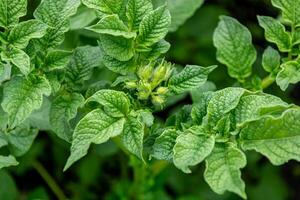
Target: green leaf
{"points": [[55, 12], [24, 31], [82, 63], [252, 107], [136, 11], [106, 6], [290, 11], [19, 58], [234, 47], [271, 60], [223, 170], [276, 138], [84, 17], [115, 103], [154, 26], [57, 59], [63, 109], [191, 149], [112, 25], [21, 96], [133, 135], [275, 32], [96, 127], [117, 66], [181, 10], [9, 190], [11, 11], [20, 139], [119, 48], [6, 161], [163, 146], [222, 102], [289, 74], [157, 49], [191, 77]]}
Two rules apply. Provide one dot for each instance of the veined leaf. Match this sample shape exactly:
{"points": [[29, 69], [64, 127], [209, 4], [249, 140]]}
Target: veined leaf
{"points": [[96, 127], [107, 6], [23, 95], [118, 66], [276, 138], [117, 47], [11, 11], [275, 32], [163, 146], [6, 161], [271, 60], [191, 149], [192, 76], [289, 74], [63, 109], [223, 170], [199, 109], [133, 135], [20, 139], [115, 103], [234, 47], [112, 25], [136, 11], [154, 26], [221, 103], [57, 59], [19, 58], [24, 31], [290, 11], [158, 49]]}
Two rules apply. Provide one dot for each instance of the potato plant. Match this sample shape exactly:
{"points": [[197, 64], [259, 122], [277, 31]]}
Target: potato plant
{"points": [[46, 88]]}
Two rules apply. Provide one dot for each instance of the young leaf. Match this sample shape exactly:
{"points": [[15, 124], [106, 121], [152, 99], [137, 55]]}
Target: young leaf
{"points": [[112, 25], [163, 146], [107, 6], [234, 47], [81, 65], [24, 31], [290, 11], [136, 11], [289, 74], [154, 26], [199, 109], [20, 139], [115, 103], [119, 48], [6, 161], [133, 135], [23, 95], [276, 138], [223, 170], [275, 32], [191, 149], [117, 66], [19, 58], [158, 48], [63, 109], [221, 103], [271, 60], [96, 127], [57, 59], [192, 76], [11, 11]]}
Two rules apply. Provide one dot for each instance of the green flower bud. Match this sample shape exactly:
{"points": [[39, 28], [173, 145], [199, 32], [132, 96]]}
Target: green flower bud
{"points": [[144, 90], [131, 85], [158, 100], [161, 73], [162, 90], [145, 71]]}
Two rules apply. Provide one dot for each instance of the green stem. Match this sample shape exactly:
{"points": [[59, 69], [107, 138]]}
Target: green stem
{"points": [[266, 82], [49, 180]]}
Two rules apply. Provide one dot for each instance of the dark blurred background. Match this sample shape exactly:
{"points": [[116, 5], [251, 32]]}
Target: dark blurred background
{"points": [[105, 172]]}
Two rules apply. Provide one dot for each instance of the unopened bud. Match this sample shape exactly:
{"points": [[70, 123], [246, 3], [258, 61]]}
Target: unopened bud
{"points": [[144, 90], [130, 85], [162, 90], [159, 100], [145, 71]]}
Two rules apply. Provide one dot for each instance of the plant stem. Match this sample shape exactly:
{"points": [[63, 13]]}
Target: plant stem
{"points": [[267, 81], [49, 180]]}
